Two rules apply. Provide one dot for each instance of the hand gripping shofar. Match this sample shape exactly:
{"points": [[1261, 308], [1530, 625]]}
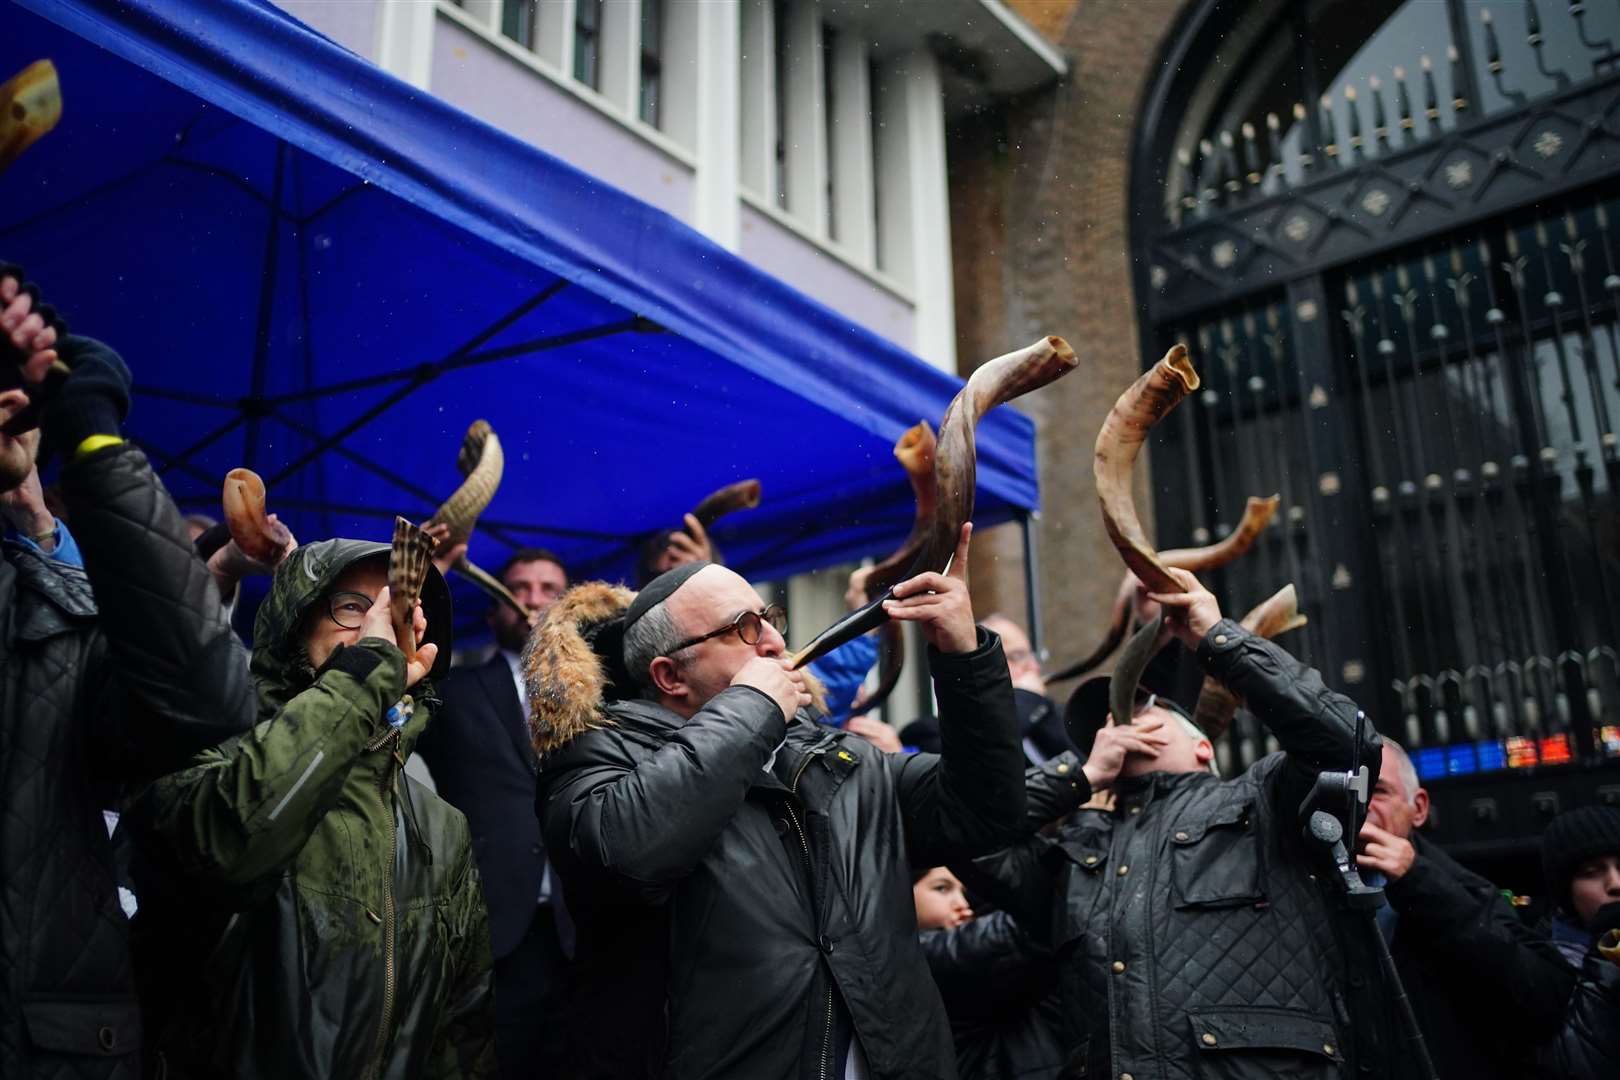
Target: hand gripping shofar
{"points": [[259, 538], [915, 452], [1277, 614], [1257, 514], [999, 381], [1143, 404], [481, 462], [408, 563]]}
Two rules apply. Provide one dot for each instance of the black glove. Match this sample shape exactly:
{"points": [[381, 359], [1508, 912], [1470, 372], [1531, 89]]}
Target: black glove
{"points": [[93, 400], [11, 357]]}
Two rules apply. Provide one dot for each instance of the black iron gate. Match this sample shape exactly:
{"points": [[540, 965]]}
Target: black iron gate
{"points": [[1390, 233]]}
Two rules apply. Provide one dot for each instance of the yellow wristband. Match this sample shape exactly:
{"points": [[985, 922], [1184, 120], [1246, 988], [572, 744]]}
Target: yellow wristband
{"points": [[93, 443]]}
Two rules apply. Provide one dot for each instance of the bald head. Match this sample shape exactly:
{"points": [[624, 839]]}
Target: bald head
{"points": [[1187, 749]]}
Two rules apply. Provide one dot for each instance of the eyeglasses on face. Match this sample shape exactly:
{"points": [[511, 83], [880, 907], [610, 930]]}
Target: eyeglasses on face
{"points": [[348, 609], [749, 625]]}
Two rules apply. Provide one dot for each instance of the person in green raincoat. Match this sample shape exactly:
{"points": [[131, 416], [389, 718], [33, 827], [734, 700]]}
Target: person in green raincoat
{"points": [[309, 910]]}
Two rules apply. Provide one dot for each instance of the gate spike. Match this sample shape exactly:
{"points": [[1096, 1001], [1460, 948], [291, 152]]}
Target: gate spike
{"points": [[1354, 126], [1330, 146], [1403, 103], [1251, 155], [1459, 100], [1380, 120], [1431, 97]]}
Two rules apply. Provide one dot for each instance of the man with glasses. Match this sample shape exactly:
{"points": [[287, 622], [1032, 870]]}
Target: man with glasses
{"points": [[308, 908], [740, 875]]}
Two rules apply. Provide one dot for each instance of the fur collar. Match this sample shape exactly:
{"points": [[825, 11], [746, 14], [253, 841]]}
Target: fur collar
{"points": [[566, 679]]}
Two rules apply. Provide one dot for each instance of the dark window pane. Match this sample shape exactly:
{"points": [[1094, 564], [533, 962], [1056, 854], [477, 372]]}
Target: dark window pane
{"points": [[652, 53], [588, 42], [519, 21]]}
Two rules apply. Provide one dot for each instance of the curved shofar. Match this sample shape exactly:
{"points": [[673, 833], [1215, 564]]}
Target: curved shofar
{"points": [[743, 495], [1000, 380], [1277, 614], [1160, 389], [30, 106], [1257, 514], [408, 561], [1139, 652], [260, 539], [915, 452], [482, 463]]}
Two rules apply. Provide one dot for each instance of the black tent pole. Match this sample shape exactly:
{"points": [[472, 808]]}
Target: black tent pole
{"points": [[1032, 578]]}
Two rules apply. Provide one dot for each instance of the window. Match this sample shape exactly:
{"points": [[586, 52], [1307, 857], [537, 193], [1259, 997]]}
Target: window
{"points": [[652, 53], [588, 42], [519, 20], [779, 26]]}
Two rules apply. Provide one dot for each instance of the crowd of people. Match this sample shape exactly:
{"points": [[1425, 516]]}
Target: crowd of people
{"points": [[654, 848]]}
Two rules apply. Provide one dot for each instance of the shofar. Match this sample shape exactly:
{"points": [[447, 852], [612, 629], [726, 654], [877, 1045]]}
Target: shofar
{"points": [[999, 381], [1275, 615], [1147, 400], [915, 451], [1257, 514], [743, 495], [260, 539], [408, 561], [30, 106], [481, 462]]}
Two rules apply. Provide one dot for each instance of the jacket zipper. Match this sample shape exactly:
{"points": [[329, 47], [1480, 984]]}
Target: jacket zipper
{"points": [[376, 1069], [804, 842]]}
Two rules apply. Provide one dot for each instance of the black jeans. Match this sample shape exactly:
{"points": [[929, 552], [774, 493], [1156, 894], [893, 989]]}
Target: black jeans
{"points": [[532, 987]]}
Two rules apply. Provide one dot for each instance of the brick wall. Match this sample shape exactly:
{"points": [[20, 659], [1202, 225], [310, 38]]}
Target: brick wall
{"points": [[1040, 218]]}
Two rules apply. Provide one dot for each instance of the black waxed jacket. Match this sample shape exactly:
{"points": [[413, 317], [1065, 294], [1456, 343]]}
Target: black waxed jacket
{"points": [[92, 704], [1587, 1045], [1195, 936], [732, 873]]}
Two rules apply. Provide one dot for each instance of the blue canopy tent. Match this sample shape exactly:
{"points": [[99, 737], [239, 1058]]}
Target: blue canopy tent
{"points": [[319, 272]]}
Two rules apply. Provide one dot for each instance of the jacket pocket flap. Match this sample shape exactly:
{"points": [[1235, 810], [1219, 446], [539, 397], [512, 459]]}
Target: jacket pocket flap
{"points": [[1190, 832], [1255, 1028], [1085, 856], [93, 1026]]}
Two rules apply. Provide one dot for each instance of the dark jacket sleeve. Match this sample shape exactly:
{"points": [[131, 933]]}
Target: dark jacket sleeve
{"points": [[969, 798], [987, 967], [1054, 789], [1462, 926], [1588, 1045], [179, 676], [1315, 725], [640, 826]]}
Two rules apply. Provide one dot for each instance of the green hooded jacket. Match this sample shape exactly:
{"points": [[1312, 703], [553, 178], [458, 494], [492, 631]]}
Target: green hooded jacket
{"points": [[320, 913]]}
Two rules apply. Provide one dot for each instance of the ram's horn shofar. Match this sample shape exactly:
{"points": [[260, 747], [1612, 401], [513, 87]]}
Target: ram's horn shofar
{"points": [[1275, 615], [743, 495], [915, 452], [30, 106], [481, 462], [1139, 651], [408, 564], [1160, 389], [259, 538], [1000, 380], [1256, 516]]}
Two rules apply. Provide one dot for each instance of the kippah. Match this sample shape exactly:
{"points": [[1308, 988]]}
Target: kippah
{"points": [[659, 589]]}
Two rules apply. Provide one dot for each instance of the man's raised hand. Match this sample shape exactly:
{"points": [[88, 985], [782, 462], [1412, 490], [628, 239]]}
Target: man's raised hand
{"points": [[1188, 615], [1114, 741], [771, 676], [939, 603]]}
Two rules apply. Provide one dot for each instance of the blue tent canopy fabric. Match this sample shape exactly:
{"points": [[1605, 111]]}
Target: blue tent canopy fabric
{"points": [[324, 274]]}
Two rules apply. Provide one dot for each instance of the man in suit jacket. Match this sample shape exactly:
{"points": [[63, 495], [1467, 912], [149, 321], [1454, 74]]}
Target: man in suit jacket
{"points": [[478, 751]]}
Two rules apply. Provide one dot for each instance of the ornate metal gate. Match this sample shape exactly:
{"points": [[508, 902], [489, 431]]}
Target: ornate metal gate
{"points": [[1391, 234]]}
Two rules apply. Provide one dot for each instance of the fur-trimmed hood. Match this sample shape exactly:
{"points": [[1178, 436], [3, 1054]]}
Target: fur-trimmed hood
{"points": [[572, 665]]}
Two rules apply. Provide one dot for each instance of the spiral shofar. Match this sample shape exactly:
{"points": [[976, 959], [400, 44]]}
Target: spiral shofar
{"points": [[259, 538], [1277, 614], [481, 463], [994, 383], [915, 452], [409, 560], [1257, 514], [1143, 404]]}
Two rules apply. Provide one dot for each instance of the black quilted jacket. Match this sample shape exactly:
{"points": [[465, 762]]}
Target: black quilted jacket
{"points": [[88, 705], [1194, 937]]}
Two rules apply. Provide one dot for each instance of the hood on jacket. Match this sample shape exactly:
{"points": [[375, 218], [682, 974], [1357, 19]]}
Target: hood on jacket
{"points": [[573, 664], [281, 668]]}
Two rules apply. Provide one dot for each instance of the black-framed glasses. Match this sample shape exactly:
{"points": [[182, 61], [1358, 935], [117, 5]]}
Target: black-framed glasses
{"points": [[749, 625], [348, 609]]}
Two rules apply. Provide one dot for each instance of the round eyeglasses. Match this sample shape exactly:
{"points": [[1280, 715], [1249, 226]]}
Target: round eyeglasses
{"points": [[749, 625], [348, 609]]}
